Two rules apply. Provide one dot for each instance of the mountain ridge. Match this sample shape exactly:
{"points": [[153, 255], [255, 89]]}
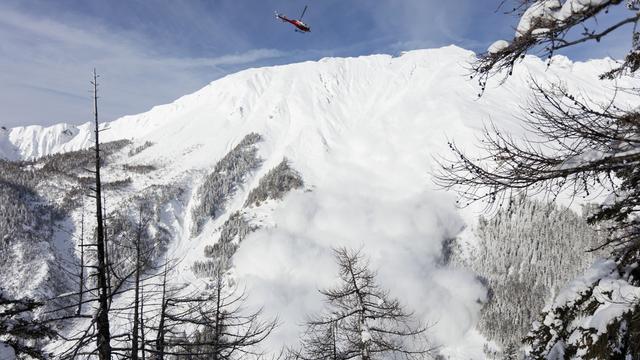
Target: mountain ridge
{"points": [[33, 141]]}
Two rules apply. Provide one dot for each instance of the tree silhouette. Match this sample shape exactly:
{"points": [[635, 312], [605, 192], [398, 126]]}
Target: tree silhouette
{"points": [[361, 320]]}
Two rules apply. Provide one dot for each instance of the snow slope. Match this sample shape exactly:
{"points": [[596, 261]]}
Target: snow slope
{"points": [[363, 132]]}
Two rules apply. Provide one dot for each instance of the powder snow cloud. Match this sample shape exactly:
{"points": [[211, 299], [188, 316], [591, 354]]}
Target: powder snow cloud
{"points": [[284, 266]]}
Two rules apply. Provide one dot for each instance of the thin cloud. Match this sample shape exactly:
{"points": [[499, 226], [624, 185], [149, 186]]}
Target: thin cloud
{"points": [[247, 57], [47, 62], [151, 53]]}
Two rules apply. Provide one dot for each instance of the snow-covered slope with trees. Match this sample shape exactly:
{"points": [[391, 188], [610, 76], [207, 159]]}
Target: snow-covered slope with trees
{"points": [[526, 252], [361, 133]]}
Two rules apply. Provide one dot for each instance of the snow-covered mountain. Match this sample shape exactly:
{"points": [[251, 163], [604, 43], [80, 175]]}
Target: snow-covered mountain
{"points": [[362, 133], [331, 95]]}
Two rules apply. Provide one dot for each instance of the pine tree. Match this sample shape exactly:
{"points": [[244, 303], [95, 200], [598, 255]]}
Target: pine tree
{"points": [[19, 329], [511, 352]]}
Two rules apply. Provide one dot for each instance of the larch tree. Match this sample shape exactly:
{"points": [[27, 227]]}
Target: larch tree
{"points": [[574, 146], [581, 146], [361, 321]]}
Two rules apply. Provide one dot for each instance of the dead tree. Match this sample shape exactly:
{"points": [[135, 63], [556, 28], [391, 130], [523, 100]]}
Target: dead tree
{"points": [[106, 245], [97, 330], [82, 265], [161, 329], [93, 337], [136, 296], [103, 340], [583, 149], [142, 334], [212, 325], [546, 28], [361, 321], [134, 270], [129, 278], [573, 144]]}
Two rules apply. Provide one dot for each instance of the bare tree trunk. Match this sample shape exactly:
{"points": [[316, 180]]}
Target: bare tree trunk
{"points": [[163, 309], [136, 301], [226, 329], [364, 352], [142, 340], [216, 331], [102, 318], [334, 348], [81, 292], [106, 247]]}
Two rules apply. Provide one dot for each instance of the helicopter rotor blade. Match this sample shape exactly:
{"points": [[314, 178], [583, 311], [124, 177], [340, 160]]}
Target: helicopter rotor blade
{"points": [[303, 11]]}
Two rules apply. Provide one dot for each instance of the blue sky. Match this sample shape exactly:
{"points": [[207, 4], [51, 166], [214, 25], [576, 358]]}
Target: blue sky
{"points": [[151, 52]]}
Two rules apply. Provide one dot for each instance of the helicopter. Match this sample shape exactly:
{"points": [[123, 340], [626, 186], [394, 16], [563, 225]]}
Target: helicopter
{"points": [[300, 26]]}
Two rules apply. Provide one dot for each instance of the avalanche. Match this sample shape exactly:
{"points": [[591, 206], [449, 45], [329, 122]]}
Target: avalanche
{"points": [[362, 133]]}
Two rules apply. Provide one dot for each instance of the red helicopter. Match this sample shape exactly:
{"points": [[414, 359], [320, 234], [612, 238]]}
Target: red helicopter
{"points": [[300, 26]]}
